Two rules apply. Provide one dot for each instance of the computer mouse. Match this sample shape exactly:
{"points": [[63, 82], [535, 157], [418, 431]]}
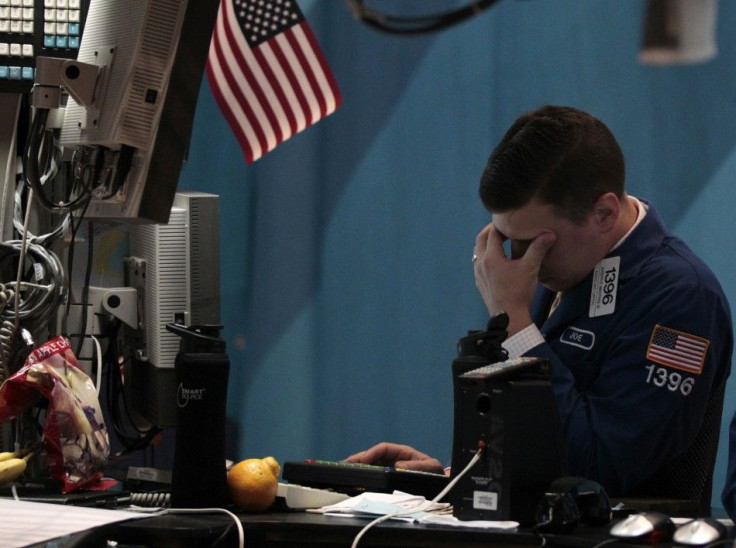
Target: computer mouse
{"points": [[699, 532], [651, 527]]}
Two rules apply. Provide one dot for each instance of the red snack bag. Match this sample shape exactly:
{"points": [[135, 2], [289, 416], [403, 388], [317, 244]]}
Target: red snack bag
{"points": [[76, 442]]}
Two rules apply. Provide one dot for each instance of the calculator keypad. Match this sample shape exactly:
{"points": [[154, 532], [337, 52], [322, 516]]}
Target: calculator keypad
{"points": [[29, 28]]}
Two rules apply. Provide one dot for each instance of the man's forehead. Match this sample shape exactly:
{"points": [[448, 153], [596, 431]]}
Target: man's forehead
{"points": [[524, 223]]}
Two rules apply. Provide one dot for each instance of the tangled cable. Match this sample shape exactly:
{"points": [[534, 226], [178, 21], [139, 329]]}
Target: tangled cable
{"points": [[7, 332], [30, 300]]}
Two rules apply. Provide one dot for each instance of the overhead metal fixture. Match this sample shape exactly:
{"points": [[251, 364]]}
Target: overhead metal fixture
{"points": [[679, 32], [416, 25]]}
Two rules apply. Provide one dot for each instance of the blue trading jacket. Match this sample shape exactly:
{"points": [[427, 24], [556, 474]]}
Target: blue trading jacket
{"points": [[625, 408], [728, 496]]}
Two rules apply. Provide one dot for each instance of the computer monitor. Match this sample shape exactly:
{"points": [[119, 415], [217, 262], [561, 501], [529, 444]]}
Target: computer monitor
{"points": [[132, 95], [176, 269]]}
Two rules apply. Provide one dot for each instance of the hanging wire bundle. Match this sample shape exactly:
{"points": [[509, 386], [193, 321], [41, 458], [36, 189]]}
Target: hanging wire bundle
{"points": [[423, 24]]}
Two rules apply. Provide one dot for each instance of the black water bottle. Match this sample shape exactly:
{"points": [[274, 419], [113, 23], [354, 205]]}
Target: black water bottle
{"points": [[199, 475]]}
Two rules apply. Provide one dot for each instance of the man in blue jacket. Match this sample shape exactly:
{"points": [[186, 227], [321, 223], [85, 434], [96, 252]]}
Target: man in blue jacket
{"points": [[636, 327], [728, 497]]}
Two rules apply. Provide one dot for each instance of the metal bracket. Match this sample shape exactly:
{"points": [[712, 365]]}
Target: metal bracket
{"points": [[80, 80]]}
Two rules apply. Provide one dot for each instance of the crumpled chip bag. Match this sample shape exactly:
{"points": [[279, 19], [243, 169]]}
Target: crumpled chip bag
{"points": [[75, 440]]}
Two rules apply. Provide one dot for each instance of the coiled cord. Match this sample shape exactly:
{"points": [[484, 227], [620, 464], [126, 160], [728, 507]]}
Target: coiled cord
{"points": [[7, 333], [40, 298], [159, 499]]}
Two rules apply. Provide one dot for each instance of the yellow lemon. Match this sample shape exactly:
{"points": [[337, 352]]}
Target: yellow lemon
{"points": [[253, 483]]}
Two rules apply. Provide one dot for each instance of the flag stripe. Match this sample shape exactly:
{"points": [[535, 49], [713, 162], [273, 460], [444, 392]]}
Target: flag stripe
{"points": [[220, 89], [290, 86], [665, 352], [305, 76], [665, 360], [217, 67], [300, 83], [327, 83], [267, 73], [688, 346], [287, 105], [683, 349], [244, 84]]}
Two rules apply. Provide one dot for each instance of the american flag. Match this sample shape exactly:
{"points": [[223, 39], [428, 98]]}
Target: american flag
{"points": [[677, 349], [267, 73]]}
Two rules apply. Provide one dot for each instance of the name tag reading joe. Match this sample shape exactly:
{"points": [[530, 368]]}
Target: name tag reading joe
{"points": [[605, 287]]}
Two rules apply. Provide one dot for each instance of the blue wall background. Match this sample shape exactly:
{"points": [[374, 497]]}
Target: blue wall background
{"points": [[346, 272]]}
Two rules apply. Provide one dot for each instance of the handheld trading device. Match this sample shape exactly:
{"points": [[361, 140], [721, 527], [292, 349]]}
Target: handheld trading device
{"points": [[355, 478], [508, 407]]}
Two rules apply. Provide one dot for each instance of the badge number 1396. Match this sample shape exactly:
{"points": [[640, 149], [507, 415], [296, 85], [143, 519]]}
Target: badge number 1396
{"points": [[674, 381]]}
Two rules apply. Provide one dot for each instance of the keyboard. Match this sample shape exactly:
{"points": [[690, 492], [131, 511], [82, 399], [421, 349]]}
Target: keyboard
{"points": [[32, 28], [355, 478], [510, 369]]}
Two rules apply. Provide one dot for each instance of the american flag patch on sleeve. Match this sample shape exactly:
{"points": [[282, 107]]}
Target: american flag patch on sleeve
{"points": [[677, 349]]}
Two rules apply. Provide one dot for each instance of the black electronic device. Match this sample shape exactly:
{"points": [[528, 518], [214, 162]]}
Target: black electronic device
{"points": [[508, 408], [479, 348], [33, 28], [202, 368], [355, 478], [571, 501], [49, 493]]}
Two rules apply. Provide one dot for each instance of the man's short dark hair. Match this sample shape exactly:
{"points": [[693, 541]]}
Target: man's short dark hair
{"points": [[558, 155]]}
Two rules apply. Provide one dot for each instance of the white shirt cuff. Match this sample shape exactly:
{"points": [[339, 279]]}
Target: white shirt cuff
{"points": [[523, 341]]}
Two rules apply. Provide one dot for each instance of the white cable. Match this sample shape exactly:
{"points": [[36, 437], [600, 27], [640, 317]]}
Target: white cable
{"points": [[608, 541], [98, 351], [8, 332], [21, 259], [18, 223], [11, 166], [421, 507], [238, 524]]}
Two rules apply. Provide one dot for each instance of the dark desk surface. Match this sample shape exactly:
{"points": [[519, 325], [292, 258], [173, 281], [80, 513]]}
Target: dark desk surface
{"points": [[297, 529]]}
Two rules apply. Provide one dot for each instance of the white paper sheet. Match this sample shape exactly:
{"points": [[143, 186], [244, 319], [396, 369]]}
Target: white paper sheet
{"points": [[376, 504], [23, 523]]}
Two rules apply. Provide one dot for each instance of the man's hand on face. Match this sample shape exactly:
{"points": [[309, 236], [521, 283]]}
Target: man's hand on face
{"points": [[509, 284]]}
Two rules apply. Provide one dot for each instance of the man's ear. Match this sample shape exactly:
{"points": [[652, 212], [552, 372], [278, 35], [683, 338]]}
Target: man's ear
{"points": [[606, 211]]}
